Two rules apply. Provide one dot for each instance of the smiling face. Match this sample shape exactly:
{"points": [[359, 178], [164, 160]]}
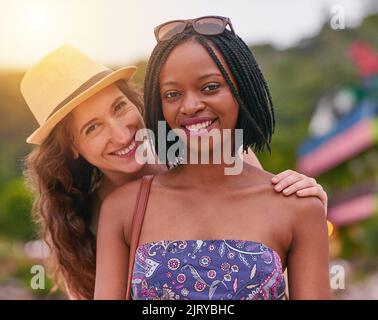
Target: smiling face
{"points": [[195, 96], [103, 129]]}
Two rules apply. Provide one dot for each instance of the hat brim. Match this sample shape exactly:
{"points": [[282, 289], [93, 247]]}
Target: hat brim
{"points": [[39, 135]]}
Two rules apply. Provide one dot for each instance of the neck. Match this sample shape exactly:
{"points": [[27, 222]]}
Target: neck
{"points": [[208, 176], [213, 174]]}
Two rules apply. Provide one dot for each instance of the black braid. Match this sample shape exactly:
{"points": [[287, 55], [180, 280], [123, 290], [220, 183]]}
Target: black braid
{"points": [[243, 120], [243, 58], [245, 81], [261, 77], [256, 114]]}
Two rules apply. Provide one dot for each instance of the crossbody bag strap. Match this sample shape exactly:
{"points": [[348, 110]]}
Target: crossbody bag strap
{"points": [[140, 209]]}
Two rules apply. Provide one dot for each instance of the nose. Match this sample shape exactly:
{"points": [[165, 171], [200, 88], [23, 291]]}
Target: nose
{"points": [[120, 132], [191, 104]]}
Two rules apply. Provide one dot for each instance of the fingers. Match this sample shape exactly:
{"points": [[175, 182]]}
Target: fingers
{"points": [[308, 192], [299, 185], [290, 182], [287, 180], [278, 177], [316, 191]]}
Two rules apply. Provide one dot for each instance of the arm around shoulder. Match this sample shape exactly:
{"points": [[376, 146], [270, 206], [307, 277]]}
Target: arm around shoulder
{"points": [[308, 264]]}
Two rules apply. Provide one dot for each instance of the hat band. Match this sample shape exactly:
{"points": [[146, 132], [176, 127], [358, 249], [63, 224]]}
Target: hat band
{"points": [[86, 85]]}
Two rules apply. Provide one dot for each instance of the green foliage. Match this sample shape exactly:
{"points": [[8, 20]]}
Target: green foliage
{"points": [[371, 236], [17, 123], [15, 269], [360, 242], [15, 208]]}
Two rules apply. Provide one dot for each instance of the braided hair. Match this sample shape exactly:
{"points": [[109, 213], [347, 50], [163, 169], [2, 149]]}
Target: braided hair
{"points": [[256, 113]]}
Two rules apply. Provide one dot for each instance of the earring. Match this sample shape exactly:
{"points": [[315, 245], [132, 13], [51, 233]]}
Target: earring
{"points": [[75, 155]]}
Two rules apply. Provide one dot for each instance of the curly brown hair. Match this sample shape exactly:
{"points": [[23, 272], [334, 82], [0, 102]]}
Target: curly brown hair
{"points": [[63, 188]]}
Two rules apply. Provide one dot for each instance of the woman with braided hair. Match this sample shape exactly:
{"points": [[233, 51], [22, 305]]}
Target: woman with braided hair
{"points": [[205, 234]]}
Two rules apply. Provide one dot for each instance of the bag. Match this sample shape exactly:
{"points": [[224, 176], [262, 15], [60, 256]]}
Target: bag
{"points": [[136, 227]]}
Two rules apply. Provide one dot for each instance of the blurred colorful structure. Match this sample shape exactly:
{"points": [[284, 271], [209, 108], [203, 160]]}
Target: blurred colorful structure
{"points": [[344, 139]]}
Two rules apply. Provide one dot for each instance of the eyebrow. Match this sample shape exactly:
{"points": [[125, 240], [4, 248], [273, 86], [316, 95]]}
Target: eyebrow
{"points": [[209, 75], [116, 100], [199, 78]]}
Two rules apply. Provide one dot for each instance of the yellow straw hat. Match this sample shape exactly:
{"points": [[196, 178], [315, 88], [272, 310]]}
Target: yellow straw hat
{"points": [[61, 81]]}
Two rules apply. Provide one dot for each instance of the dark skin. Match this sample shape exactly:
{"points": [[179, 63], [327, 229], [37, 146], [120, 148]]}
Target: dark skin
{"points": [[200, 202]]}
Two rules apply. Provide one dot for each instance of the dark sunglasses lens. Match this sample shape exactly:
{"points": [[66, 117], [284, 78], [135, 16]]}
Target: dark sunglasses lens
{"points": [[170, 29], [209, 26]]}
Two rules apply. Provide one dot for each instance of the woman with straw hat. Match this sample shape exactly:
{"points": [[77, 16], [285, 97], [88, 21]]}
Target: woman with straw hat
{"points": [[88, 116]]}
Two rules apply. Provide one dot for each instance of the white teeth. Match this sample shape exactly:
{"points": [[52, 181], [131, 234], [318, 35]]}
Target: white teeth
{"points": [[126, 150], [198, 126]]}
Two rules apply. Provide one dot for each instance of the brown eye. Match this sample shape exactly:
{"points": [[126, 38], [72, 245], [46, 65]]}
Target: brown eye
{"points": [[120, 106], [211, 87], [171, 95], [91, 128]]}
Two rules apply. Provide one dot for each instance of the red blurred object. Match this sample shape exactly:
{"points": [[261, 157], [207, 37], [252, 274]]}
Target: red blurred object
{"points": [[365, 58]]}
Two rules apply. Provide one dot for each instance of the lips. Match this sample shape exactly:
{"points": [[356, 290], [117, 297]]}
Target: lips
{"points": [[125, 150]]}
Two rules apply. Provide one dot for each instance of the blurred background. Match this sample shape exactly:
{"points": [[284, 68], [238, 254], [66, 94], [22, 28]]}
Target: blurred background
{"points": [[320, 59]]}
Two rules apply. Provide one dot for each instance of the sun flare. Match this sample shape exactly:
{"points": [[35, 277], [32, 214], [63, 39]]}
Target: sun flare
{"points": [[33, 28], [37, 18]]}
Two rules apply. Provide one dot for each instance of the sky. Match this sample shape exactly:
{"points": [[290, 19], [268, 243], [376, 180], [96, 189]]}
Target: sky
{"points": [[120, 32]]}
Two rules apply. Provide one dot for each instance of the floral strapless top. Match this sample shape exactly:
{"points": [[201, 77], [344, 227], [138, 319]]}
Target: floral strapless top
{"points": [[207, 270]]}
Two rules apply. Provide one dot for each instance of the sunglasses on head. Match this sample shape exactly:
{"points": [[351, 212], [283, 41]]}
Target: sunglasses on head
{"points": [[207, 25]]}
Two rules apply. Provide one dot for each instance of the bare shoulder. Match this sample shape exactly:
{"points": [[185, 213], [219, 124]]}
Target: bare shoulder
{"points": [[307, 215], [300, 209], [122, 195], [118, 206], [309, 209], [260, 176]]}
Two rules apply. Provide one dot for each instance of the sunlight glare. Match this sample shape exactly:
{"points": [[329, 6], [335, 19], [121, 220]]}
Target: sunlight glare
{"points": [[37, 18]]}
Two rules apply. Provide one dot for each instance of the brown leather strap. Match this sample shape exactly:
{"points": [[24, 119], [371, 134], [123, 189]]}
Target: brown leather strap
{"points": [[140, 209]]}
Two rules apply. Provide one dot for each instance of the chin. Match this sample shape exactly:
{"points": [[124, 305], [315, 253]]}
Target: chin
{"points": [[130, 167]]}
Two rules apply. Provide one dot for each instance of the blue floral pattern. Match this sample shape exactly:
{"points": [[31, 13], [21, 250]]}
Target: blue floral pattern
{"points": [[207, 270]]}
